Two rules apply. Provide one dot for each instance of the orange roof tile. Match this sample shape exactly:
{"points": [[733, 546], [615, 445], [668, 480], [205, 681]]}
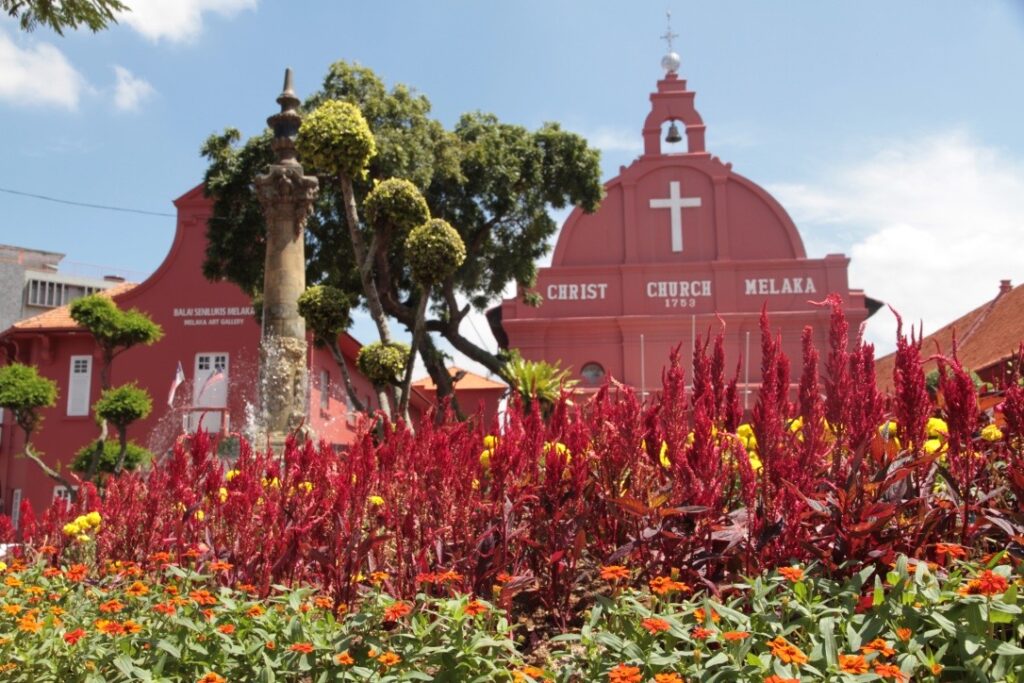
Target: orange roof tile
{"points": [[468, 381], [985, 336], [60, 318]]}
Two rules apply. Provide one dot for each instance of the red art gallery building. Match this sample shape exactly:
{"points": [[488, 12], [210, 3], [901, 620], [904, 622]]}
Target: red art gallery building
{"points": [[681, 245], [209, 328]]}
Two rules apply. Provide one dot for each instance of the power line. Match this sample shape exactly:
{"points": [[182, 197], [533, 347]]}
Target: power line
{"points": [[85, 204]]}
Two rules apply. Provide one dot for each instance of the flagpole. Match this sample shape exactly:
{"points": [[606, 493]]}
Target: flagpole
{"points": [[746, 373], [643, 371]]}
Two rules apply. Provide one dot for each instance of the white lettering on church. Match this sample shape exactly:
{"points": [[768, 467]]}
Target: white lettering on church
{"points": [[675, 203], [786, 285], [678, 293], [581, 291]]}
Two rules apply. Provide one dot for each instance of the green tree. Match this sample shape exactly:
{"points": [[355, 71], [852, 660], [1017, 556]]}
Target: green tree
{"points": [[327, 311], [135, 456], [492, 182], [25, 393], [122, 406], [61, 14]]}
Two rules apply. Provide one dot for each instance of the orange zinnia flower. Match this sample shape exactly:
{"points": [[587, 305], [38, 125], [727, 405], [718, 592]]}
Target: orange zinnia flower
{"points": [[219, 566], [735, 635], [389, 659], [212, 678], [664, 584], [793, 573], [936, 668], [699, 615], [377, 578], [323, 602], [254, 611], [853, 664], [448, 577], [51, 572], [12, 609], [112, 606], [344, 659], [890, 671], [701, 633], [951, 549], [668, 678], [203, 597], [622, 673], [786, 651], [304, 648], [270, 645], [475, 607], [614, 572], [533, 672], [110, 628], [396, 611], [987, 583], [76, 572], [880, 646], [226, 629], [130, 626], [164, 608], [903, 634], [29, 624], [72, 637], [136, 590], [779, 679], [655, 625]]}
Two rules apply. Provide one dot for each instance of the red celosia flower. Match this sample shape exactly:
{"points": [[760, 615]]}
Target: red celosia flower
{"points": [[701, 633], [389, 659], [793, 573], [655, 625], [735, 635], [880, 646], [72, 637], [890, 671], [614, 572], [853, 664], [396, 611], [304, 648], [621, 673], [344, 659]]}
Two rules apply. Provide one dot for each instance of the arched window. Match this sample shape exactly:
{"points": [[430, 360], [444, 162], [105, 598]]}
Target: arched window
{"points": [[592, 374]]}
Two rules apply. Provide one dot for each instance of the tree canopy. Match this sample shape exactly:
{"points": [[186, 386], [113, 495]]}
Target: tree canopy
{"points": [[492, 182], [61, 14]]}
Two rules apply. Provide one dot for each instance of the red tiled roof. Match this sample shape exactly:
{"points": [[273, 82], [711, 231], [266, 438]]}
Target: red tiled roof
{"points": [[60, 318], [468, 381], [985, 336]]}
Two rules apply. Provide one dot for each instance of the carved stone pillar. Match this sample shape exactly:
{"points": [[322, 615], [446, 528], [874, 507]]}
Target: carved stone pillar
{"points": [[286, 196]]}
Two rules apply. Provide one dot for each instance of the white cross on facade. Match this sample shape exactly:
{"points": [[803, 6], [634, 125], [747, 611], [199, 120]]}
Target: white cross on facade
{"points": [[676, 203]]}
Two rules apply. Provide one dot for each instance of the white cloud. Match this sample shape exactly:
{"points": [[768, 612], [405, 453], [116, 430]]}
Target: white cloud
{"points": [[130, 90], [616, 140], [178, 21], [931, 225], [38, 74]]}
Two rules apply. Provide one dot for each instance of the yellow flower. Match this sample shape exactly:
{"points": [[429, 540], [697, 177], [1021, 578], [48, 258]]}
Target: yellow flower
{"points": [[93, 518], [3, 566], [746, 434], [306, 486], [485, 457], [796, 425], [82, 538], [200, 515], [71, 529], [559, 448], [476, 484], [222, 493], [274, 483], [888, 430], [755, 461], [663, 456], [937, 427], [231, 474], [490, 441], [991, 432], [376, 500], [933, 446]]}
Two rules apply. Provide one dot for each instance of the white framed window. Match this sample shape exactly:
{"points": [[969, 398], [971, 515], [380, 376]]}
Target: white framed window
{"points": [[79, 385], [62, 493], [210, 383], [325, 390]]}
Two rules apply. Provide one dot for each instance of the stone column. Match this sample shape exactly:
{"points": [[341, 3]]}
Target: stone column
{"points": [[286, 197]]}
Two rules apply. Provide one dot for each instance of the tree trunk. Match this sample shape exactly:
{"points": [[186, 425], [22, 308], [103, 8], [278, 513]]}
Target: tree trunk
{"points": [[94, 460], [417, 334], [350, 389], [364, 261], [49, 471], [122, 437]]}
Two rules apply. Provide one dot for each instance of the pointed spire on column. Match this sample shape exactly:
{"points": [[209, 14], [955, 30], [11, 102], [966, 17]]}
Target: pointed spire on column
{"points": [[285, 123]]}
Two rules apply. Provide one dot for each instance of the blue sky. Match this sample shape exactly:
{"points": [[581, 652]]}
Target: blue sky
{"points": [[890, 131]]}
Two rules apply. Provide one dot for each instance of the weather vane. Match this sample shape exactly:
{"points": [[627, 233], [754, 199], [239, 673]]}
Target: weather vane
{"points": [[669, 36]]}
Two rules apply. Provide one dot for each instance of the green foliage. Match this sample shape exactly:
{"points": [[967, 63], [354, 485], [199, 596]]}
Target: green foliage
{"points": [[435, 251], [494, 182], [335, 140], [123, 405], [112, 327], [536, 380], [327, 311], [93, 14], [135, 456], [24, 392], [383, 363], [395, 204], [931, 382]]}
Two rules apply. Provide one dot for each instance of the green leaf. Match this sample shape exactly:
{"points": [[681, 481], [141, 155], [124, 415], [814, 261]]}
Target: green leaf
{"points": [[1009, 649], [169, 647]]}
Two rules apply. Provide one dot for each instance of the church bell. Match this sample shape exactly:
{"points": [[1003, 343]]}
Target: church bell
{"points": [[673, 134]]}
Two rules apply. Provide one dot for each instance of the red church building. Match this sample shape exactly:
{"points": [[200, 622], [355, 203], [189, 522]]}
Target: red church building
{"points": [[680, 245], [209, 328]]}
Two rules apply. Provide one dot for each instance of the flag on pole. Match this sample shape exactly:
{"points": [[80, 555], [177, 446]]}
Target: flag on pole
{"points": [[179, 378], [211, 381]]}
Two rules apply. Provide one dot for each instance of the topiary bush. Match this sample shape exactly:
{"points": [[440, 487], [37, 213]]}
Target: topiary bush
{"points": [[435, 251], [395, 203], [123, 405], [327, 311], [335, 140], [383, 363], [135, 456]]}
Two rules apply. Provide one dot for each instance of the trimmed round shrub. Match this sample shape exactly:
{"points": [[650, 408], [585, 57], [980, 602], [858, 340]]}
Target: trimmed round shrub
{"points": [[434, 250], [396, 203], [336, 140], [326, 310], [123, 405], [134, 457], [383, 363]]}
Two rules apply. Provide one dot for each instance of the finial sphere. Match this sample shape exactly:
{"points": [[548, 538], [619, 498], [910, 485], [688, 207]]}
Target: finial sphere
{"points": [[670, 63]]}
